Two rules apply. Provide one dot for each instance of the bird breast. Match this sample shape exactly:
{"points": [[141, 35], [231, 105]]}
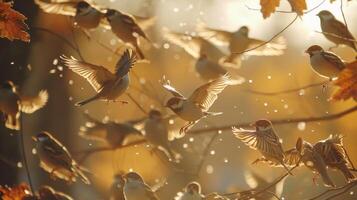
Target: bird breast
{"points": [[113, 90], [322, 67], [190, 111], [89, 19]]}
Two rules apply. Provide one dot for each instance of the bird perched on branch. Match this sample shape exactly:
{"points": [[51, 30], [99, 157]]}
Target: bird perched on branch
{"points": [[336, 31], [125, 27], [239, 41], [56, 159], [265, 140], [326, 64], [109, 86], [195, 107], [136, 189], [12, 103]]}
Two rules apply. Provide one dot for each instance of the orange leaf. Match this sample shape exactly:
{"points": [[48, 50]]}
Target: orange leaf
{"points": [[268, 7], [12, 25], [15, 193], [347, 83], [298, 6]]}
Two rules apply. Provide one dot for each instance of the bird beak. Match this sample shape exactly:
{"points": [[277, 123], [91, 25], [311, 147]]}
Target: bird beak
{"points": [[34, 138]]}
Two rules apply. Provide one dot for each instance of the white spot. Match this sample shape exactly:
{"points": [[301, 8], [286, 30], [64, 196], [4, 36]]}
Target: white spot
{"points": [[166, 46], [191, 139], [209, 169], [70, 82], [176, 10], [212, 152], [34, 151], [19, 164], [55, 61], [301, 126], [52, 71], [301, 92]]}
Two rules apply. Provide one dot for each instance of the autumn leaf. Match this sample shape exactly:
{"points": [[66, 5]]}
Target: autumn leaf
{"points": [[347, 83], [12, 25], [298, 6], [268, 7], [14, 193]]}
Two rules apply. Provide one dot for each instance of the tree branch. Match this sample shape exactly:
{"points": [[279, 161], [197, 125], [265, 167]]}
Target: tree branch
{"points": [[344, 189], [279, 121], [137, 104]]}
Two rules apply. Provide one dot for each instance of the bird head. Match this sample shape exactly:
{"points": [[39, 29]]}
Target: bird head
{"points": [[244, 30], [193, 187], [155, 114], [314, 49], [174, 103], [325, 15], [111, 13], [41, 137], [133, 177], [82, 6], [262, 125]]}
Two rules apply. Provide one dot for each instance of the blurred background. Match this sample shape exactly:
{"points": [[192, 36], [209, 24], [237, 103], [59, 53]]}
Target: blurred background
{"points": [[226, 166]]}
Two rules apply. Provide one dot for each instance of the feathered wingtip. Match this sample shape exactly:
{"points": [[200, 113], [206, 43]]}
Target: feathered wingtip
{"points": [[126, 62]]}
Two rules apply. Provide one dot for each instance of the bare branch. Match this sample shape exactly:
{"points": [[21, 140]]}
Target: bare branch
{"points": [[344, 189], [137, 104]]}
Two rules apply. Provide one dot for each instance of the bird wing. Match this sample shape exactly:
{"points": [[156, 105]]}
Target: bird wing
{"points": [[62, 7], [145, 22], [332, 150], [217, 37], [59, 152], [192, 45], [267, 141], [126, 62], [167, 85], [131, 22], [341, 30], [30, 104], [207, 94], [292, 157], [96, 75], [273, 48], [334, 59]]}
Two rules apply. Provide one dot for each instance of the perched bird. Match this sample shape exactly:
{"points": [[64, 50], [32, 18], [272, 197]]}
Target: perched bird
{"points": [[336, 31], [48, 193], [265, 140], [56, 160], [125, 27], [117, 188], [113, 133], [12, 103], [156, 133], [326, 64], [136, 189], [210, 70], [195, 107], [109, 86], [239, 41], [335, 156], [85, 13], [192, 191]]}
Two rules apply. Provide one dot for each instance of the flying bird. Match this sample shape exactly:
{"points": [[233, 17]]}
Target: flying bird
{"points": [[265, 140], [12, 103], [108, 86], [197, 106], [56, 159], [336, 31]]}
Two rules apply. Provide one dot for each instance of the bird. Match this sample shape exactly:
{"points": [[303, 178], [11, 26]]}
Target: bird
{"points": [[125, 27], [86, 14], [239, 42], [113, 133], [324, 63], [192, 191], [210, 70], [108, 86], [197, 106], [156, 133], [117, 188], [265, 140], [56, 159], [48, 193], [136, 189], [12, 103], [336, 31], [335, 155]]}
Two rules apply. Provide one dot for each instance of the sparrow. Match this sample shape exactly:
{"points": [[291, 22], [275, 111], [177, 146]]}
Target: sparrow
{"points": [[125, 27], [136, 189], [194, 45], [85, 13], [156, 133], [192, 191], [56, 160], [324, 63], [210, 70], [113, 133], [335, 155], [12, 103], [239, 41], [48, 193], [109, 86], [195, 107], [265, 140], [335, 31], [117, 188]]}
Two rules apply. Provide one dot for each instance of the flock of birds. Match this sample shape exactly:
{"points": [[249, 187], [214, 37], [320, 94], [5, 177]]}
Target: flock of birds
{"points": [[215, 69]]}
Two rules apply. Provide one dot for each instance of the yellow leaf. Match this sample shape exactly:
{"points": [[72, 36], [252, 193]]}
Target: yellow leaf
{"points": [[298, 6], [268, 7]]}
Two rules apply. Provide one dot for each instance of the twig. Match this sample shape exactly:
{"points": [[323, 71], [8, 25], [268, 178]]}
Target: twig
{"points": [[284, 11], [137, 104], [345, 189], [285, 91], [271, 39], [7, 161], [279, 121], [343, 15]]}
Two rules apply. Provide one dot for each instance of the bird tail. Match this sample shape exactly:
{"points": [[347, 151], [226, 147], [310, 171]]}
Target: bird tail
{"points": [[84, 102], [347, 173], [13, 121], [327, 180]]}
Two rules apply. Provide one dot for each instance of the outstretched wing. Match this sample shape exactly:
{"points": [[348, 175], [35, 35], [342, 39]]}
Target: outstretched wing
{"points": [[292, 157], [61, 7], [167, 85], [332, 150], [207, 94], [96, 75], [192, 45], [273, 48], [131, 22], [217, 37], [126, 62], [30, 104]]}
